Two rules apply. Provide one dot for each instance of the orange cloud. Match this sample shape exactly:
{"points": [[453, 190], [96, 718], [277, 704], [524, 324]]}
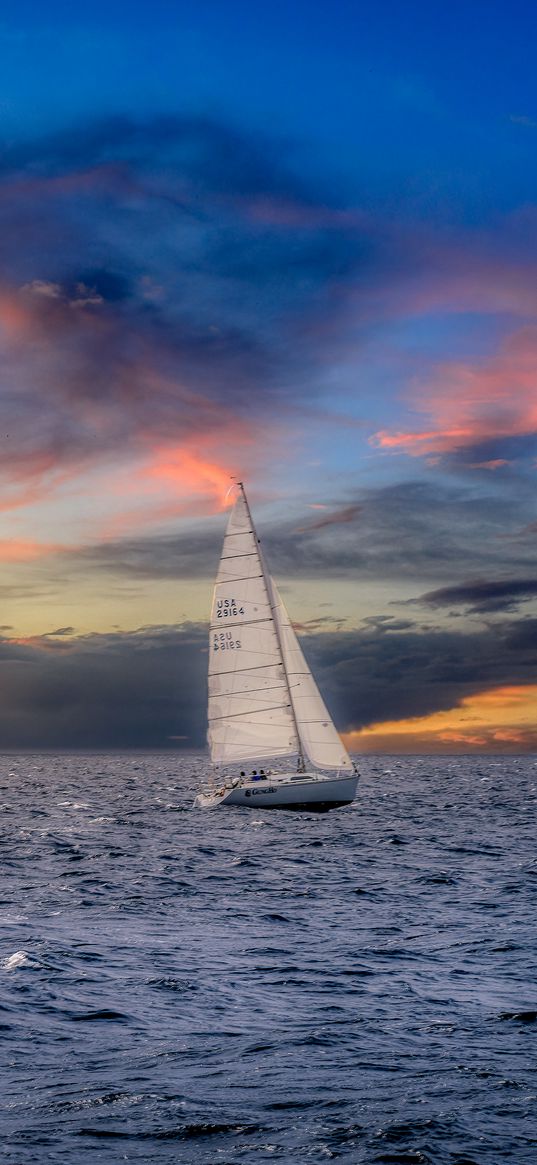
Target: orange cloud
{"points": [[500, 720], [19, 550], [189, 473], [189, 478], [50, 640], [14, 317]]}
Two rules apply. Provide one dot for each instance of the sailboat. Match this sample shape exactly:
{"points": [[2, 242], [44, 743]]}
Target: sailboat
{"points": [[264, 704]]}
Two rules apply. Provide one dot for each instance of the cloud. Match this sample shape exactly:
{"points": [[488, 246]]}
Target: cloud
{"points": [[19, 550], [523, 119], [493, 465], [147, 688], [165, 281], [499, 720], [489, 406], [404, 533], [336, 518], [380, 674], [173, 296], [160, 283], [124, 690], [482, 596]]}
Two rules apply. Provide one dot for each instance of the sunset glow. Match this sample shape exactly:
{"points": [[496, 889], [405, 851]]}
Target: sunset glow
{"points": [[499, 720], [189, 474]]}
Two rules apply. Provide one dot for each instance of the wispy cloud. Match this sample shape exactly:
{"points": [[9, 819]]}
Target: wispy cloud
{"points": [[483, 596], [523, 119], [471, 405], [336, 518], [19, 550]]}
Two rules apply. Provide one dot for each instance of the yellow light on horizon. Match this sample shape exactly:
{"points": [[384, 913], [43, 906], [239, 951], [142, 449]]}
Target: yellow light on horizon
{"points": [[491, 721]]}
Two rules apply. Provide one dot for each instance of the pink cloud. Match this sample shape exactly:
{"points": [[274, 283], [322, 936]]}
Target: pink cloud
{"points": [[467, 404], [493, 465]]}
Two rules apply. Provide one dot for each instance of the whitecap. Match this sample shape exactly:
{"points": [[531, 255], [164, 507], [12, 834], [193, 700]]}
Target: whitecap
{"points": [[19, 959]]}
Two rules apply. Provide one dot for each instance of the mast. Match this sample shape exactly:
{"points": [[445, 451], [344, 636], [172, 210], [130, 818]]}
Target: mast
{"points": [[268, 584]]}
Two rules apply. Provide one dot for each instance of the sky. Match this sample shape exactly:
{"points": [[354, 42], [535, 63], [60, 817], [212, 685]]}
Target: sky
{"points": [[294, 244]]}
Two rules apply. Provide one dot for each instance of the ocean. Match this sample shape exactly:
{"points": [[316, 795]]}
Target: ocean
{"points": [[251, 986]]}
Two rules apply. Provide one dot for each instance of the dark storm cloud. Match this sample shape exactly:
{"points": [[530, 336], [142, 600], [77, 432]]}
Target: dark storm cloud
{"points": [[105, 691], [481, 595], [147, 689], [380, 673], [522, 635]]}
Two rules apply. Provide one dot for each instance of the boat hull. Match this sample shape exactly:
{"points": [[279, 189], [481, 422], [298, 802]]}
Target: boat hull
{"points": [[312, 793]]}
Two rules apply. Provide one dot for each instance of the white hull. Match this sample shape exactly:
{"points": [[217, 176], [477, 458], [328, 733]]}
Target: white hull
{"points": [[285, 791]]}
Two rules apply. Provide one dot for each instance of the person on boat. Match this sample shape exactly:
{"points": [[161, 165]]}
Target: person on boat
{"points": [[255, 776], [262, 775]]}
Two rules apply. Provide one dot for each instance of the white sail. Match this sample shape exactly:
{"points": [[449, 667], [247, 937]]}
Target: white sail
{"points": [[250, 712], [319, 738]]}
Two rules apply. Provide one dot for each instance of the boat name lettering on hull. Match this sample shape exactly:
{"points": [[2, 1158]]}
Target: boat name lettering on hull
{"points": [[256, 792]]}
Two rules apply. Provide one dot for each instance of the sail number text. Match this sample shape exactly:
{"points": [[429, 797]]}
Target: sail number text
{"points": [[224, 641], [227, 609]]}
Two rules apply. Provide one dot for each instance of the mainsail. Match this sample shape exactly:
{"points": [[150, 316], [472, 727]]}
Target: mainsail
{"points": [[250, 713], [263, 700]]}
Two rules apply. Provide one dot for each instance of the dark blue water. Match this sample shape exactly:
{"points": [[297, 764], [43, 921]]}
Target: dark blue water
{"points": [[246, 986]]}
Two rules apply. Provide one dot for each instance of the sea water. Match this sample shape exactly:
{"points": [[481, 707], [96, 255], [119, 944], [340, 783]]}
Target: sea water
{"points": [[250, 986]]}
